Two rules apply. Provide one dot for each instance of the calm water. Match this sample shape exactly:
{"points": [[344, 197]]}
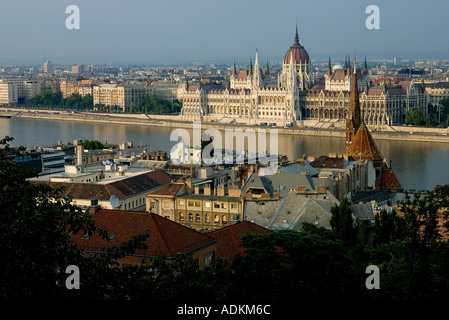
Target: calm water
{"points": [[418, 165]]}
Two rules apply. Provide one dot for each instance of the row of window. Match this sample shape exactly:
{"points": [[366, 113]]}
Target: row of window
{"points": [[197, 218], [207, 204], [134, 203]]}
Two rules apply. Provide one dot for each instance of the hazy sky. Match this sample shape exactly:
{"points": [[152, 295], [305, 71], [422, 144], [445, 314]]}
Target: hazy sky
{"points": [[219, 30]]}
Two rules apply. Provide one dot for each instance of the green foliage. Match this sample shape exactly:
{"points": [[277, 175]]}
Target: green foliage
{"points": [[92, 144], [151, 105], [309, 264], [50, 99], [388, 227], [414, 117], [343, 224]]}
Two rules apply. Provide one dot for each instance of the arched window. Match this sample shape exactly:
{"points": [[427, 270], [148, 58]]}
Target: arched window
{"points": [[224, 219], [206, 218], [181, 216], [190, 217], [197, 217], [217, 219]]}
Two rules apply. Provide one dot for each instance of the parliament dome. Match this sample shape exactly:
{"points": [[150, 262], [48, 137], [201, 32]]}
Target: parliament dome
{"points": [[300, 55]]}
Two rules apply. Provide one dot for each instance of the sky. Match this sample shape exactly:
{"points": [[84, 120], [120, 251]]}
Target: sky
{"points": [[167, 31]]}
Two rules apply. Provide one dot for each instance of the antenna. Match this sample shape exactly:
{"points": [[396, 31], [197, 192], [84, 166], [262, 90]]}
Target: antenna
{"points": [[114, 201]]}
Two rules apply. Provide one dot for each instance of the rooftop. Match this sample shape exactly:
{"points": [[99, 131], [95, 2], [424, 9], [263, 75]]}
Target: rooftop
{"points": [[166, 238]]}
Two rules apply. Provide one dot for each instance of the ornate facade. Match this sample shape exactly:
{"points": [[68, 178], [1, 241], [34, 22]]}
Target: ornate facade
{"points": [[252, 98]]}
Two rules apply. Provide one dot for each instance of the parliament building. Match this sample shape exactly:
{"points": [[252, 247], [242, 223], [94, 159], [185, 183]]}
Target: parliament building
{"points": [[298, 97]]}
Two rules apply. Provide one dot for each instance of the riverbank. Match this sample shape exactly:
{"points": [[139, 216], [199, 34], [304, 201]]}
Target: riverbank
{"points": [[400, 133]]}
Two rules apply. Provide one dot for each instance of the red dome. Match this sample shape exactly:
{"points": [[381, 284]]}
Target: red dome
{"points": [[300, 55]]}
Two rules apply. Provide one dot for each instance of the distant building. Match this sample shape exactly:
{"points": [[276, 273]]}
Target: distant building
{"points": [[97, 184], [77, 69], [300, 97], [251, 96], [48, 67], [119, 95], [437, 91], [13, 91]]}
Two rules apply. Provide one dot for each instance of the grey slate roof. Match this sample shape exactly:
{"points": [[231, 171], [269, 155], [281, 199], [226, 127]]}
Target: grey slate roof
{"points": [[284, 182]]}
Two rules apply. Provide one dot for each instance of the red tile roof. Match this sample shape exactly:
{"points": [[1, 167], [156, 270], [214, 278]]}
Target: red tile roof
{"points": [[363, 146], [242, 74], [166, 237], [228, 238], [389, 180]]}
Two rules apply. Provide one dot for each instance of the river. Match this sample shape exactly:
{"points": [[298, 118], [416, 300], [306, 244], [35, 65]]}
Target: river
{"points": [[418, 165]]}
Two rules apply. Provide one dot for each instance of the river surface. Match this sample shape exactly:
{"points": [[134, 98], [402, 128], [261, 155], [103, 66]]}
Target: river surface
{"points": [[418, 165]]}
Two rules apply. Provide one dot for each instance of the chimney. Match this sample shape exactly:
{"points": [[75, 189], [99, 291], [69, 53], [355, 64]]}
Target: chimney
{"points": [[79, 156]]}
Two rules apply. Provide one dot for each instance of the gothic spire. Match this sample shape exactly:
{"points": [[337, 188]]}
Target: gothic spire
{"points": [[353, 120], [296, 35], [365, 68], [233, 69], [250, 72]]}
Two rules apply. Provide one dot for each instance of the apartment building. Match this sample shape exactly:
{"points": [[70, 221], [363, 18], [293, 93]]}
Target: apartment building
{"points": [[13, 91], [119, 95]]}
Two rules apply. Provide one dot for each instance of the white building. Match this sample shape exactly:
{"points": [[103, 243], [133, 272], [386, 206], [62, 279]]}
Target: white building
{"points": [[13, 90]]}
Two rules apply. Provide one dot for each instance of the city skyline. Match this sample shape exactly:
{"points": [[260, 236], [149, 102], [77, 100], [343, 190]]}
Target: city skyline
{"points": [[180, 32]]}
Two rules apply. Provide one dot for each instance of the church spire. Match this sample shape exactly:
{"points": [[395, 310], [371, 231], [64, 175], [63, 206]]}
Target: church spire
{"points": [[329, 67], [365, 68], [354, 115], [234, 71]]}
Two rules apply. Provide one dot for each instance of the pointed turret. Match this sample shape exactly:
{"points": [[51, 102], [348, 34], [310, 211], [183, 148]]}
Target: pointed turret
{"points": [[187, 83], [267, 69], [348, 67], [329, 67], [234, 71], [296, 35], [250, 71], [257, 76], [354, 115], [365, 68]]}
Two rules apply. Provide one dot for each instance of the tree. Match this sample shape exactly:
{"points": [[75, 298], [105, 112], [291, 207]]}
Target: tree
{"points": [[414, 117], [36, 223], [388, 227], [307, 265], [343, 224], [92, 144]]}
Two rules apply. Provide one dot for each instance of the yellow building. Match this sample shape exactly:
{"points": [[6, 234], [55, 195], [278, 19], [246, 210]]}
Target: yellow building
{"points": [[119, 95]]}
